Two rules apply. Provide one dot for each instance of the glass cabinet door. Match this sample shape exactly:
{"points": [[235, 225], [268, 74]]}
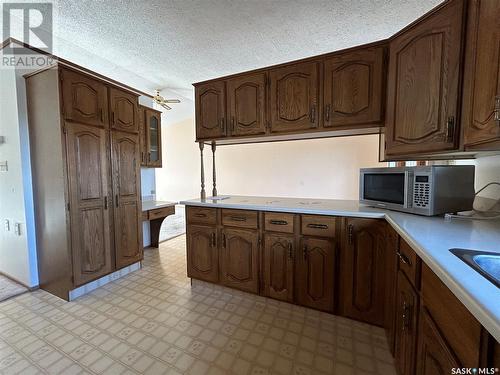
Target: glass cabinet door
{"points": [[154, 139]]}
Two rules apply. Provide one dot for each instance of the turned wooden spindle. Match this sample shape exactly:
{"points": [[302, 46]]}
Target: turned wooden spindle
{"points": [[214, 190], [203, 194]]}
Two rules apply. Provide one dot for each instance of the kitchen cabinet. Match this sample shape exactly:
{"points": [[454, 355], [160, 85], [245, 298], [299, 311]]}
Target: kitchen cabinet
{"points": [[363, 268], [210, 110], [202, 252], [150, 137], [239, 259], [481, 97], [424, 84], [278, 266], [90, 197], [86, 178], [434, 355], [294, 97], [354, 88], [406, 325], [124, 110], [84, 99], [246, 104], [392, 248], [127, 197], [315, 275]]}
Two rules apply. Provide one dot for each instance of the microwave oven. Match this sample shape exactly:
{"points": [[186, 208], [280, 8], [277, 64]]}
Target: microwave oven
{"points": [[423, 190]]}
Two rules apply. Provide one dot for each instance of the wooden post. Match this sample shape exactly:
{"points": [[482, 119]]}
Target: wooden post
{"points": [[214, 190], [203, 194]]}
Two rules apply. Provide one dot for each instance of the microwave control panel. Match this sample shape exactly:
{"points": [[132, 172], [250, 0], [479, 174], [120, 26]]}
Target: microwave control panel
{"points": [[421, 187]]}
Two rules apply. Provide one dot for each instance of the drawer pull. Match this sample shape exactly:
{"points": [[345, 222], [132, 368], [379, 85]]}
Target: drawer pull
{"points": [[403, 258], [317, 226], [278, 222], [238, 218], [200, 215]]}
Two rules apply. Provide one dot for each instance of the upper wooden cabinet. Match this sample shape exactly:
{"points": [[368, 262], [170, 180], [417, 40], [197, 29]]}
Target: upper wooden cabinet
{"points": [[150, 137], [481, 99], [354, 88], [210, 110], [294, 97], [424, 84], [85, 100], [363, 267], [124, 113], [246, 104]]}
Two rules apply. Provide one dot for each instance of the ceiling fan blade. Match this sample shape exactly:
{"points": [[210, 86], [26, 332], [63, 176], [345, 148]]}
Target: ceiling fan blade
{"points": [[172, 101], [165, 106]]}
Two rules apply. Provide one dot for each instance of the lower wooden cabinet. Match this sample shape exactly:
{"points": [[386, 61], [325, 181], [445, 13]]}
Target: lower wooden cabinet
{"points": [[202, 253], [315, 276], [363, 267], [239, 259], [407, 304], [278, 255], [434, 355]]}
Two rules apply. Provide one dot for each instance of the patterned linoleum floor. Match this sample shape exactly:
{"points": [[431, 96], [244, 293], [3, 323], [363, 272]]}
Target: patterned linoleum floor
{"points": [[154, 322]]}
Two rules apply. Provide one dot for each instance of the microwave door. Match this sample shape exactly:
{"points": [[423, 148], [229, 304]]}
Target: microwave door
{"points": [[386, 189]]}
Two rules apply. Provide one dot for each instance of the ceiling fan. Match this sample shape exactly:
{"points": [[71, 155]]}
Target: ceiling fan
{"points": [[162, 101]]}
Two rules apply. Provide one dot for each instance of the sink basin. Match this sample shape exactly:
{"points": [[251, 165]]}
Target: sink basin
{"points": [[484, 262]]}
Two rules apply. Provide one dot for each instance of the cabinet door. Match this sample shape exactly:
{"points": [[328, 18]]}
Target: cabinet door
{"points": [[142, 135], [354, 88], [278, 266], [202, 253], [246, 104], [127, 198], [210, 110], [124, 112], [315, 275], [423, 84], [239, 259], [363, 270], [406, 326], [294, 97], [85, 100], [392, 246], [434, 355], [89, 195], [482, 74], [153, 138]]}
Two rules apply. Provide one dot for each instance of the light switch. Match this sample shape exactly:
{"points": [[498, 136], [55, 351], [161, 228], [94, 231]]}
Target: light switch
{"points": [[4, 167], [7, 225], [17, 228]]}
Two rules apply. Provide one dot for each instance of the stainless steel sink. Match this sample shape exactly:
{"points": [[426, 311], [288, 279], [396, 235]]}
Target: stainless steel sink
{"points": [[484, 262]]}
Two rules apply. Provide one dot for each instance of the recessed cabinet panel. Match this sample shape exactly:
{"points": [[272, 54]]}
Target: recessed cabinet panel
{"points": [[88, 169], [481, 105], [354, 88], [278, 257], [124, 111], [294, 97], [127, 198], [210, 110], [202, 253], [423, 84], [84, 100], [246, 99]]}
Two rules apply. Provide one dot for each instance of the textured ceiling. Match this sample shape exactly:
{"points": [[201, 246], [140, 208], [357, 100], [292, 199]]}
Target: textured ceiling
{"points": [[171, 44]]}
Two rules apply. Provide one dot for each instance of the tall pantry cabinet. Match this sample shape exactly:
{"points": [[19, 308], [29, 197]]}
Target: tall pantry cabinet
{"points": [[86, 177]]}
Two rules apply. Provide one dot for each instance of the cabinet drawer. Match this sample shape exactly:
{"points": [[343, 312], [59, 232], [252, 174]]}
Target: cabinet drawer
{"points": [[409, 263], [201, 215], [240, 218], [278, 222], [161, 212], [314, 225], [145, 216]]}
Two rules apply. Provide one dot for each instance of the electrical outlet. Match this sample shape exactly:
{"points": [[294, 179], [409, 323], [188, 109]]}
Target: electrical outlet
{"points": [[7, 225]]}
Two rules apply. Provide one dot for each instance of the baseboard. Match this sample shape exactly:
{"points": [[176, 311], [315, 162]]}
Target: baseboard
{"points": [[30, 288]]}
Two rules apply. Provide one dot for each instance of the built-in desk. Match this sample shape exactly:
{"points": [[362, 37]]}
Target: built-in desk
{"points": [[155, 212]]}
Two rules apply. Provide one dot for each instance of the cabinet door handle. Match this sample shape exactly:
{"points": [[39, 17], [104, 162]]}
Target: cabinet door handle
{"points": [[317, 226], [214, 241], [223, 240], [290, 255], [406, 316], [238, 218], [149, 156], [497, 109], [350, 229], [403, 258], [113, 117], [101, 114], [232, 123], [312, 114], [327, 113], [278, 222], [450, 128], [200, 215], [106, 202], [305, 253], [116, 200]]}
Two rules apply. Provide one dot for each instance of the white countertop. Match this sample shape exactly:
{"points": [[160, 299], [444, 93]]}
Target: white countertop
{"points": [[430, 237], [152, 205]]}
